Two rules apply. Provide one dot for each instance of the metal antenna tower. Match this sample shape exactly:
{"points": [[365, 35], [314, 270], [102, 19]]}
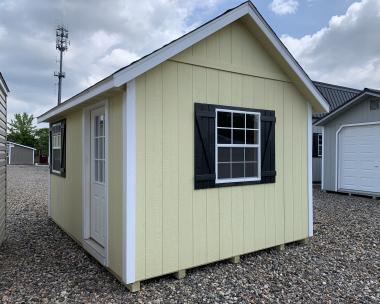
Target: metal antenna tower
{"points": [[62, 41]]}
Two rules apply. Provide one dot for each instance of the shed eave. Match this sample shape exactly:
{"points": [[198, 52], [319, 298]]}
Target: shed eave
{"points": [[365, 93], [148, 62]]}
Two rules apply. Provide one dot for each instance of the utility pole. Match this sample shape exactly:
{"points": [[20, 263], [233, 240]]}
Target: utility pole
{"points": [[62, 41]]}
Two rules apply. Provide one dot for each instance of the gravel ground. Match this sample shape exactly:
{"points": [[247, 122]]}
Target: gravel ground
{"points": [[39, 263]]}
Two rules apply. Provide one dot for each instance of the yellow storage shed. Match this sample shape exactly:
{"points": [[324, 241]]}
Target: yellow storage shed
{"points": [[198, 152]]}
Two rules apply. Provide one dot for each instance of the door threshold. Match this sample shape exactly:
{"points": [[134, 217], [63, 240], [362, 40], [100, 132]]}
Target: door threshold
{"points": [[97, 251]]}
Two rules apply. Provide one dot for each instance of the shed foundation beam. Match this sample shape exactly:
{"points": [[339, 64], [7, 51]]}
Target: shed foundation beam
{"points": [[305, 241], [235, 259], [179, 275], [134, 287], [280, 247]]}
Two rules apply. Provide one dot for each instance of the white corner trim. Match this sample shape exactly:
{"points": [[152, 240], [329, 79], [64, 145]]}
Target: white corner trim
{"points": [[10, 153], [129, 183], [337, 145], [310, 167], [323, 159]]}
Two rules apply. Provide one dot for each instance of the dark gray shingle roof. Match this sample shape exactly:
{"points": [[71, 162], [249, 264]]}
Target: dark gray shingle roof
{"points": [[335, 95]]}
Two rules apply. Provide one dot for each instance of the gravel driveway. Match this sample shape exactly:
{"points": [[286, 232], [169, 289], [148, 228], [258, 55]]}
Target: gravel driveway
{"points": [[39, 263]]}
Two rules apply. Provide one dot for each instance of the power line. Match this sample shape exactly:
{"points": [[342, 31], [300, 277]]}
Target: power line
{"points": [[62, 42]]}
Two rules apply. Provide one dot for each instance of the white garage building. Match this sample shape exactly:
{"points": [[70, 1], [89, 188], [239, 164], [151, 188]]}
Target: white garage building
{"points": [[351, 146]]}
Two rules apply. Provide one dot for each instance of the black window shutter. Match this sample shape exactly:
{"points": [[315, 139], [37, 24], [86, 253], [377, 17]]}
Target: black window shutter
{"points": [[63, 148], [268, 159], [315, 144], [204, 146]]}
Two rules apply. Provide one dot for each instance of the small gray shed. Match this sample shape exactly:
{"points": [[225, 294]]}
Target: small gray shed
{"points": [[351, 146], [336, 96], [20, 154], [3, 139]]}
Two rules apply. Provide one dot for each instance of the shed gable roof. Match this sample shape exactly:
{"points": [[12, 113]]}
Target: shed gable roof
{"points": [[246, 9], [348, 105], [335, 95]]}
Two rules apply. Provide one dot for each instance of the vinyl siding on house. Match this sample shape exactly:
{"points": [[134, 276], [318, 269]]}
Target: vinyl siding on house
{"points": [[66, 193], [360, 113], [3, 156], [178, 227]]}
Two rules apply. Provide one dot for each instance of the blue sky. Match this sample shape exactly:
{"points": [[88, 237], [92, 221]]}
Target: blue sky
{"points": [[325, 36], [310, 17]]}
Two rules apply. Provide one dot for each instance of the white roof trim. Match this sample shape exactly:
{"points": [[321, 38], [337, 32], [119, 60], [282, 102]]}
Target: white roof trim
{"points": [[13, 143], [145, 64], [344, 107]]}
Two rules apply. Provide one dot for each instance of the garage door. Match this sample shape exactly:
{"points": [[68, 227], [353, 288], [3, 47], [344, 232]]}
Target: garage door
{"points": [[359, 158]]}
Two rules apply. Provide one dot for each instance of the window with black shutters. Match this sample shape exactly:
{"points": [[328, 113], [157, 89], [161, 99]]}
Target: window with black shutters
{"points": [[233, 146], [57, 148]]}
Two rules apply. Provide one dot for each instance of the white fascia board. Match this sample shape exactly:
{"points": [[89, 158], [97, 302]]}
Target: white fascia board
{"points": [[185, 42], [348, 104], [102, 87], [145, 64], [178, 46], [13, 143], [279, 46]]}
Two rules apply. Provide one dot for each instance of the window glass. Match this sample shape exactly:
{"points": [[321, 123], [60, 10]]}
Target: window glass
{"points": [[239, 120], [238, 146], [99, 149], [224, 154], [238, 154], [239, 136], [224, 119], [56, 148], [224, 136]]}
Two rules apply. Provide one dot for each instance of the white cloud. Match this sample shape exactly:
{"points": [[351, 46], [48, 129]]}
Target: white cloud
{"points": [[105, 36], [284, 7], [346, 51]]}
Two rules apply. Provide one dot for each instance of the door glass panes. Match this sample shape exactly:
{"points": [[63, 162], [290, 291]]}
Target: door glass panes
{"points": [[99, 149], [238, 146]]}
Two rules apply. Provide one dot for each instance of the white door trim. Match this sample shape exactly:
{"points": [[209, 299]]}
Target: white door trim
{"points": [[337, 145], [129, 183], [310, 168], [101, 254]]}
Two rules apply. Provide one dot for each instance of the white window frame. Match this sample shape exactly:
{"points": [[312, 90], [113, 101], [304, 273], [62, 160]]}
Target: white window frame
{"points": [[258, 146], [320, 145], [55, 147]]}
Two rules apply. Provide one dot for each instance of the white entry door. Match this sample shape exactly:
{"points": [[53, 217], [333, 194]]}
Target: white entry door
{"points": [[359, 158], [98, 177]]}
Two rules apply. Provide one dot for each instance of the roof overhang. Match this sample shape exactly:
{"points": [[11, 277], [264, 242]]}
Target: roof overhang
{"points": [[20, 145], [123, 76], [345, 107]]}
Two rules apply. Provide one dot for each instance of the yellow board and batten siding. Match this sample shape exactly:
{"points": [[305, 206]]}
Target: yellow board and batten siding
{"points": [[66, 193], [178, 227]]}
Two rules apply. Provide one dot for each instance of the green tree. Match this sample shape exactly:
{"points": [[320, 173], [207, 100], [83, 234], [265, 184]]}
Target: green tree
{"points": [[42, 141], [21, 130]]}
